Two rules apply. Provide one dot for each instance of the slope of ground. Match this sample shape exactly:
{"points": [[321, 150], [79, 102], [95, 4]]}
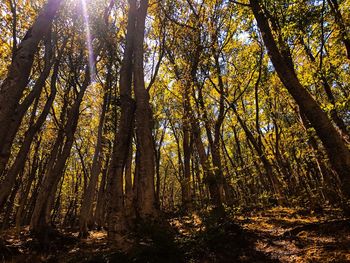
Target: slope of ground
{"points": [[275, 235], [295, 236]]}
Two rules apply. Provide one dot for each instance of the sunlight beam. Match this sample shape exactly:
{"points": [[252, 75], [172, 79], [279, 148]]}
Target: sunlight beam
{"points": [[89, 41]]}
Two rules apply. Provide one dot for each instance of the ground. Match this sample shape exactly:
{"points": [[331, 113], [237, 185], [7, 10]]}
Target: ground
{"points": [[273, 235]]}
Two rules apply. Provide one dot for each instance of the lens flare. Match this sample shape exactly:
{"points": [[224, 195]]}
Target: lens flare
{"points": [[89, 41]]}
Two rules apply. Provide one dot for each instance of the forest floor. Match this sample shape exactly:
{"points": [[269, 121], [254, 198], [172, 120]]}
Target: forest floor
{"points": [[272, 235]]}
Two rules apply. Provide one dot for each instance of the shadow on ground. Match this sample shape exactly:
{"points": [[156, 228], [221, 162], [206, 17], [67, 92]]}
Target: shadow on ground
{"points": [[183, 239]]}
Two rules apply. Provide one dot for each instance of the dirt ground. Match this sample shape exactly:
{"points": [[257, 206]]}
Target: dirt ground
{"points": [[295, 236], [274, 235]]}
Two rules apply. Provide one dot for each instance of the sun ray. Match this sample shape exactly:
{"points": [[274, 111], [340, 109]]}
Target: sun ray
{"points": [[89, 41]]}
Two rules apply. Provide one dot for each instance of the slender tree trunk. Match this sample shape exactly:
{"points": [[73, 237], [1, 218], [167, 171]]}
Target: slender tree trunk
{"points": [[28, 211], [186, 178], [21, 109], [129, 193], [10, 205], [276, 185], [157, 153], [209, 177], [100, 210], [87, 205], [330, 96], [344, 35], [40, 221], [11, 175], [24, 197]]}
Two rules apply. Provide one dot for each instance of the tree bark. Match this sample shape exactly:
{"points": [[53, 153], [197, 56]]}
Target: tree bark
{"points": [[344, 35], [86, 208], [146, 202], [117, 225], [11, 175], [40, 221], [186, 178]]}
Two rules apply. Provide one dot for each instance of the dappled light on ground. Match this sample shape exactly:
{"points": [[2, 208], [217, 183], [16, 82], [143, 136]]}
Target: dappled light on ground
{"points": [[274, 235], [290, 236]]}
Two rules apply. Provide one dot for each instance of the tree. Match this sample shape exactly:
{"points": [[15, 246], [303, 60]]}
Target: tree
{"points": [[338, 153]]}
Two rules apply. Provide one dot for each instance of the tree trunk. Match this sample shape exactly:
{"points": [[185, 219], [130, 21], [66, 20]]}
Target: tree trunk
{"points": [[129, 193], [117, 225], [344, 35], [87, 205], [186, 178], [40, 221], [100, 210], [11, 175], [274, 182], [146, 203], [24, 197]]}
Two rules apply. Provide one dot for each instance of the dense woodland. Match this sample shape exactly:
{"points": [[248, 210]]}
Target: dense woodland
{"points": [[118, 117]]}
